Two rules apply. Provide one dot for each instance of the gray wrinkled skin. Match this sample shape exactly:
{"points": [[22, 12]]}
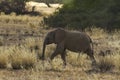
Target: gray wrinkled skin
{"points": [[70, 40]]}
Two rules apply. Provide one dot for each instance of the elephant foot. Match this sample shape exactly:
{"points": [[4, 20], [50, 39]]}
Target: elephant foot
{"points": [[94, 64], [49, 60], [64, 65], [43, 63]]}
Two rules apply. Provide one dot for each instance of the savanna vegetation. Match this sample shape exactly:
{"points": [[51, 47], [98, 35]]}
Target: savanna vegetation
{"points": [[80, 14], [21, 41]]}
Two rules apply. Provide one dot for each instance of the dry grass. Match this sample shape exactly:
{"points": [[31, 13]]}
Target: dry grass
{"points": [[17, 57], [117, 61], [24, 56], [14, 20], [106, 63], [3, 58]]}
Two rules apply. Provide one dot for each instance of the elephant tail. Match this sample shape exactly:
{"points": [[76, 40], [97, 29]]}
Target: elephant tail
{"points": [[92, 47], [43, 51]]}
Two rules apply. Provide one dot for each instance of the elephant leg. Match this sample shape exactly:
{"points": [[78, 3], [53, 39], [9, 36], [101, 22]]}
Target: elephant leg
{"points": [[63, 56], [53, 55], [58, 50], [91, 55], [93, 60]]}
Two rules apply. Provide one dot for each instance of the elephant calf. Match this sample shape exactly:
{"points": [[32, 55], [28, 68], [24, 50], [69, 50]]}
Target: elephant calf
{"points": [[73, 41]]}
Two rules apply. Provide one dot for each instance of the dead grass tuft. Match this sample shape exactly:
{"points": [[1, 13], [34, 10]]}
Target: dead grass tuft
{"points": [[106, 63], [116, 58], [3, 60], [23, 58]]}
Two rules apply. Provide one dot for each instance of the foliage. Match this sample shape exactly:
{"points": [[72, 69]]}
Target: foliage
{"points": [[9, 6], [86, 13]]}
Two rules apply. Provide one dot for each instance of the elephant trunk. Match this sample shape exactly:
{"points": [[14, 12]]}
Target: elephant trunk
{"points": [[43, 51]]}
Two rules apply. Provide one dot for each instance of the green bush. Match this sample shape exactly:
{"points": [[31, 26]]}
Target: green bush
{"points": [[86, 13]]}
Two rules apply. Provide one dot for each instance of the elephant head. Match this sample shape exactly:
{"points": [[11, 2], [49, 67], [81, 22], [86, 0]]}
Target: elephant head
{"points": [[55, 36]]}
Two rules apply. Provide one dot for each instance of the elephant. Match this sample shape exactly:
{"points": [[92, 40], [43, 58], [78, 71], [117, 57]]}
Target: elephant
{"points": [[68, 40]]}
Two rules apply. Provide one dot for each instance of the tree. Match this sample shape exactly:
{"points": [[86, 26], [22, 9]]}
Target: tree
{"points": [[79, 14], [9, 6]]}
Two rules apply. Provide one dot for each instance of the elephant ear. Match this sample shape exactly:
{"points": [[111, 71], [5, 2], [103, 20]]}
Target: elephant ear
{"points": [[59, 35]]}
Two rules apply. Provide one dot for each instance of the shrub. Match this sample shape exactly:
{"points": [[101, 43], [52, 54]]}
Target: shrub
{"points": [[79, 14], [9, 6]]}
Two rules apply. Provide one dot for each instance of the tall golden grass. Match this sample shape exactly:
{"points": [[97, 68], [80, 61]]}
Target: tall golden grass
{"points": [[17, 20], [17, 57], [25, 55], [22, 58]]}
